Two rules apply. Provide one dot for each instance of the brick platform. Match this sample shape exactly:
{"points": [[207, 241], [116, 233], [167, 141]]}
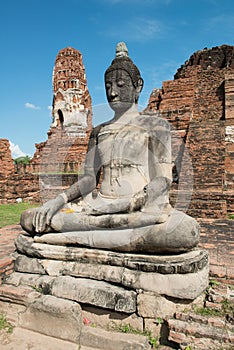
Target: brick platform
{"points": [[7, 247]]}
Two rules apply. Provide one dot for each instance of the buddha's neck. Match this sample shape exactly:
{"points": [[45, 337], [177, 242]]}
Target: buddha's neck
{"points": [[127, 115]]}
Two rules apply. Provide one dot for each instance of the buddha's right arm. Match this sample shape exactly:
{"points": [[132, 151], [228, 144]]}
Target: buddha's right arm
{"points": [[82, 187]]}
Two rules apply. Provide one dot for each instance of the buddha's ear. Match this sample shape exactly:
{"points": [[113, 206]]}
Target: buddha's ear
{"points": [[139, 87]]}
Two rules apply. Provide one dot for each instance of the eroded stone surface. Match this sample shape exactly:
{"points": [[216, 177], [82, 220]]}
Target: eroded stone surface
{"points": [[25, 264], [183, 276], [82, 290], [184, 286], [23, 295], [97, 293], [166, 264], [99, 338], [23, 339], [6, 161], [153, 306], [54, 317], [108, 319]]}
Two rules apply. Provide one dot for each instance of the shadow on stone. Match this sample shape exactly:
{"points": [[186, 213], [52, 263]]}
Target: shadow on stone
{"points": [[164, 333]]}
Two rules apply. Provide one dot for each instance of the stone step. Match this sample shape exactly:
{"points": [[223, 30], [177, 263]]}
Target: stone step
{"points": [[195, 332], [97, 338], [59, 322], [45, 314], [48, 315], [81, 290], [22, 339]]}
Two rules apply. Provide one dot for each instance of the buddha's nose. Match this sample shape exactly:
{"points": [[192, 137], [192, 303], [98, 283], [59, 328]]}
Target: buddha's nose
{"points": [[114, 93]]}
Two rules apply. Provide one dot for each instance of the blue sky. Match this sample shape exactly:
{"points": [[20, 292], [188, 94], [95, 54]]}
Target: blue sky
{"points": [[160, 34]]}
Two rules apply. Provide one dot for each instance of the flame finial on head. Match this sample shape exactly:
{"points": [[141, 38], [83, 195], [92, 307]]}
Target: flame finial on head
{"points": [[121, 50], [123, 61]]}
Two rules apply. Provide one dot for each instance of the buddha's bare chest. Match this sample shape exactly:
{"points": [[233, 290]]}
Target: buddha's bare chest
{"points": [[126, 145]]}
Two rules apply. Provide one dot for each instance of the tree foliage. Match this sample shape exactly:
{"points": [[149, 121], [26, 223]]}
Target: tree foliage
{"points": [[22, 160]]}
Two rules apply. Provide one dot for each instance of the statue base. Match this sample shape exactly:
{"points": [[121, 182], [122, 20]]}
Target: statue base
{"points": [[69, 269], [106, 288]]}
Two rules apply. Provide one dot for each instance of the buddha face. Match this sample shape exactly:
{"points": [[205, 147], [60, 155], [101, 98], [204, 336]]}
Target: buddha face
{"points": [[120, 91]]}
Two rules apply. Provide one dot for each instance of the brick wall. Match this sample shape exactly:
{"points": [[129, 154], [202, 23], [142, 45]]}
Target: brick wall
{"points": [[6, 162], [60, 153], [217, 238], [199, 104], [27, 182]]}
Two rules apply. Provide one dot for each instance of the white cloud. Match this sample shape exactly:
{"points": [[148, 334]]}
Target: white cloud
{"points": [[137, 29], [31, 105], [145, 28], [16, 151]]}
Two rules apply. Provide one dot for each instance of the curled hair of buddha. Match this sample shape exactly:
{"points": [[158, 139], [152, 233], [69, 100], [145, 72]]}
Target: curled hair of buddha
{"points": [[124, 62]]}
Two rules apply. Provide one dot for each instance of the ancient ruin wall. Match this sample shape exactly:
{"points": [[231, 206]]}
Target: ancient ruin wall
{"points": [[199, 103], [14, 183], [65, 149], [6, 161], [229, 131], [58, 160]]}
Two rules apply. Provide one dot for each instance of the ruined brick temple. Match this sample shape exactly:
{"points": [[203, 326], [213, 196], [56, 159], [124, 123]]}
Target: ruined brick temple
{"points": [[199, 104], [58, 160], [65, 149]]}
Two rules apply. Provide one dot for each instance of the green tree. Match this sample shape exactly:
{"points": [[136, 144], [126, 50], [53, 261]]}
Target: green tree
{"points": [[22, 160]]}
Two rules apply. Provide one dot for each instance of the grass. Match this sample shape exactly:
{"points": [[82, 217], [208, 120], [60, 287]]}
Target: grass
{"points": [[203, 311], [10, 213], [4, 324], [231, 216], [227, 308], [126, 328]]}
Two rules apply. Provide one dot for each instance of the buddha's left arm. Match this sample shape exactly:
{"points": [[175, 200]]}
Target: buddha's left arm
{"points": [[159, 162]]}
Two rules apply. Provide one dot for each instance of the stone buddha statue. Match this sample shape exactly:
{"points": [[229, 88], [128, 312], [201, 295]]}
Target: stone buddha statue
{"points": [[132, 154]]}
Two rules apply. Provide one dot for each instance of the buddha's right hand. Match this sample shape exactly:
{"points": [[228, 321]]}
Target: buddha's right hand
{"points": [[44, 214]]}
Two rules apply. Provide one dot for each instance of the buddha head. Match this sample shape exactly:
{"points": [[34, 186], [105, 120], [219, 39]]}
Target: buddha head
{"points": [[123, 81]]}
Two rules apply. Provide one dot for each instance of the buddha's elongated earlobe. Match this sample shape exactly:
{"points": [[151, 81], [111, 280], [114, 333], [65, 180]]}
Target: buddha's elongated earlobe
{"points": [[139, 87]]}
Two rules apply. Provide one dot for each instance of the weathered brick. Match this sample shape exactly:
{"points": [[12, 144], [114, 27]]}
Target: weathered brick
{"points": [[198, 100], [66, 147]]}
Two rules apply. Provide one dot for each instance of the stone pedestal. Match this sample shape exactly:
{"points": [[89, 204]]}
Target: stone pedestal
{"points": [[110, 275], [111, 288]]}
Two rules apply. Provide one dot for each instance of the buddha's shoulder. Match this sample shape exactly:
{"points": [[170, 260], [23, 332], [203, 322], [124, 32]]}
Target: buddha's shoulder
{"points": [[151, 121], [96, 130]]}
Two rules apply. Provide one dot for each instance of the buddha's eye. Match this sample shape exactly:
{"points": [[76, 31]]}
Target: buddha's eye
{"points": [[121, 83]]}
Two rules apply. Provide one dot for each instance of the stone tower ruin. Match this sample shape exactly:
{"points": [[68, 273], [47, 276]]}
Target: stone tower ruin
{"points": [[68, 136], [71, 101]]}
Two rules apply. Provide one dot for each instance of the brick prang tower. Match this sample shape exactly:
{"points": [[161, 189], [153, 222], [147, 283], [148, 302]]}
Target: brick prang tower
{"points": [[71, 101]]}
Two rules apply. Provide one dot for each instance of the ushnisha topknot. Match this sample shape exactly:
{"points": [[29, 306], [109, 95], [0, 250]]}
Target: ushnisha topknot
{"points": [[124, 62]]}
